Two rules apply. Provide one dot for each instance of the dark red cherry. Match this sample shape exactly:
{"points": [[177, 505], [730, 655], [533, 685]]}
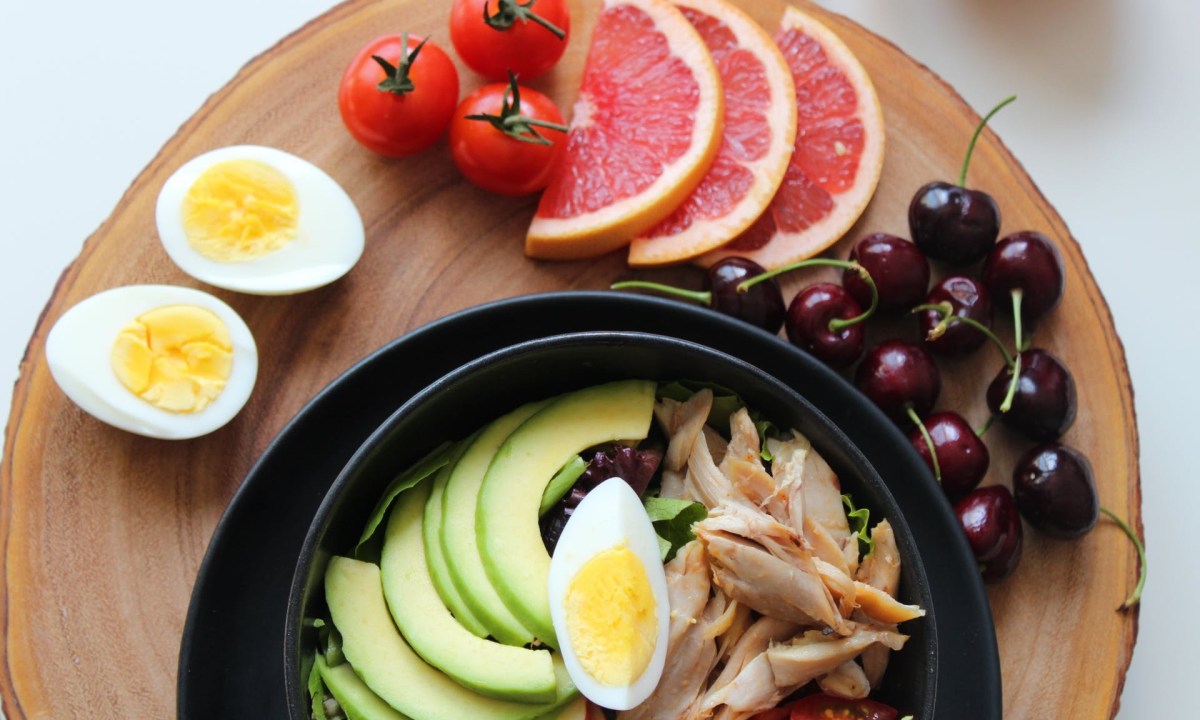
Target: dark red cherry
{"points": [[988, 515], [1027, 261], [1043, 405], [898, 374], [962, 457], [761, 305], [1055, 490], [808, 324], [953, 224], [899, 269], [967, 298]]}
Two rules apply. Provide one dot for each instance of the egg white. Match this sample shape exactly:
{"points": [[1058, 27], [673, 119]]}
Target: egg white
{"points": [[328, 244], [610, 515], [78, 352]]}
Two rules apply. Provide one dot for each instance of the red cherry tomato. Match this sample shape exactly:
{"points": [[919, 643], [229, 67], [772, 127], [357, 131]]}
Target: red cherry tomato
{"points": [[405, 109], [520, 36], [495, 160], [828, 707]]}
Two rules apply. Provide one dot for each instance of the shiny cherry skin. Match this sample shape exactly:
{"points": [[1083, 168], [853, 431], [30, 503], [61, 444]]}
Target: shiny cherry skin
{"points": [[1027, 261], [962, 456], [1043, 406], [807, 324], [761, 305], [898, 267], [897, 374], [968, 298], [1055, 490], [989, 517], [953, 224]]}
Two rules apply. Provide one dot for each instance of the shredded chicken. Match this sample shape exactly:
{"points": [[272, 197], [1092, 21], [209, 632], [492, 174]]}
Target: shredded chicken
{"points": [[772, 595], [848, 680], [691, 645], [766, 565], [880, 569], [683, 423]]}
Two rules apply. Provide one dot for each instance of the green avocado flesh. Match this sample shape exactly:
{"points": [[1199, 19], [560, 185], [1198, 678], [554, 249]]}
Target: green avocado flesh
{"points": [[576, 710], [389, 667], [438, 571], [500, 671], [459, 545], [509, 538], [355, 698]]}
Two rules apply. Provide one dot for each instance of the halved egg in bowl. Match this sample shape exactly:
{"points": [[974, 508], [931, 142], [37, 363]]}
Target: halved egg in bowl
{"points": [[572, 393]]}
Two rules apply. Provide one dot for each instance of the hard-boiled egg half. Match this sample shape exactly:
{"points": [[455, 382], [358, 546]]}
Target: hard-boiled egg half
{"points": [[156, 360], [258, 220], [608, 598]]}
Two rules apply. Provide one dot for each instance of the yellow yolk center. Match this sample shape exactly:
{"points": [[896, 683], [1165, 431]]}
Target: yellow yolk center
{"points": [[240, 210], [176, 358], [611, 617]]}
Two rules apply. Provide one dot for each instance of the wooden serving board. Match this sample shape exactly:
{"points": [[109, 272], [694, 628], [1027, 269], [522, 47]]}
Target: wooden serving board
{"points": [[103, 531]]}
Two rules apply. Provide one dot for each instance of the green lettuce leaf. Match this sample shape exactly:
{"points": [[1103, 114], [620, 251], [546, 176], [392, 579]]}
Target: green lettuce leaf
{"points": [[424, 468], [561, 483], [672, 520], [318, 693], [860, 521]]}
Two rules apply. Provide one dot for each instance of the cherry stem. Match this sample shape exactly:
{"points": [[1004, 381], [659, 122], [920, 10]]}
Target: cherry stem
{"points": [[1005, 406], [1135, 596], [509, 11], [703, 297], [946, 312], [837, 324], [962, 176], [987, 425], [912, 414]]}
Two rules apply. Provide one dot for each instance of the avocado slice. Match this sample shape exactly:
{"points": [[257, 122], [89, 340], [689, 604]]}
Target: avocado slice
{"points": [[355, 698], [438, 570], [390, 668], [576, 710], [510, 540], [459, 544], [501, 671]]}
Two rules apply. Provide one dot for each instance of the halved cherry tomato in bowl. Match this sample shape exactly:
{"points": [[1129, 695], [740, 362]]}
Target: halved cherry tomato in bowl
{"points": [[829, 707], [507, 138], [398, 94], [496, 36]]}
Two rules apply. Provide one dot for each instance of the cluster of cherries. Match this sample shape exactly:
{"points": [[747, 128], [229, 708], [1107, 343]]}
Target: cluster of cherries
{"points": [[1033, 393]]}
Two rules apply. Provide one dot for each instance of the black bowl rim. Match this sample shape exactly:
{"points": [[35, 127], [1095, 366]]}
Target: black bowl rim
{"points": [[974, 662]]}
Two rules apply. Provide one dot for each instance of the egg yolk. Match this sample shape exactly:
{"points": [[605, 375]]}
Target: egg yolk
{"points": [[176, 358], [240, 210], [611, 617]]}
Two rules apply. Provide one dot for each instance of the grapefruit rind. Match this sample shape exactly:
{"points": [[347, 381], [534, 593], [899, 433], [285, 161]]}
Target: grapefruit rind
{"points": [[595, 233], [785, 248], [703, 235]]}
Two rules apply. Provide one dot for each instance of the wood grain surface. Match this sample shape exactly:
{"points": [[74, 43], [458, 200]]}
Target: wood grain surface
{"points": [[103, 531]]}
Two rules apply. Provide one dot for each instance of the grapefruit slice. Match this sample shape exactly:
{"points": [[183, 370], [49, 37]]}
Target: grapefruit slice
{"points": [[838, 154], [760, 128], [644, 131]]}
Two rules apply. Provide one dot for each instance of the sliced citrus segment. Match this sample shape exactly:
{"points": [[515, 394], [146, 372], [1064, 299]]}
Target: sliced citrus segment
{"points": [[838, 154], [756, 144], [645, 129]]}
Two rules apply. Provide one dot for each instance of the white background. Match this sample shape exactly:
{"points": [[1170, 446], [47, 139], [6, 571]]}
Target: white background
{"points": [[1105, 124]]}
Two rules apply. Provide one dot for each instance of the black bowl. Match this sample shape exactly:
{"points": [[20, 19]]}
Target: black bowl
{"points": [[471, 396]]}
